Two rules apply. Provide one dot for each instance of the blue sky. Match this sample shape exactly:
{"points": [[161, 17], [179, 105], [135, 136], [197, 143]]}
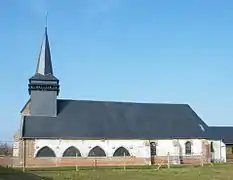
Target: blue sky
{"points": [[122, 50]]}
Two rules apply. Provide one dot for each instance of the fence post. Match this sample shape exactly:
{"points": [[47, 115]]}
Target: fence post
{"points": [[76, 162], [56, 161], [124, 162], [168, 159], [95, 163], [24, 155], [202, 156]]}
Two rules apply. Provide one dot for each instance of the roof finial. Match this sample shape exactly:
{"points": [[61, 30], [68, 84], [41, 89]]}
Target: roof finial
{"points": [[46, 22]]}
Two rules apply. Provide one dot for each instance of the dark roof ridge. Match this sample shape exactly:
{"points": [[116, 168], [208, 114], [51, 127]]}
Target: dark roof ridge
{"points": [[111, 101], [121, 101]]}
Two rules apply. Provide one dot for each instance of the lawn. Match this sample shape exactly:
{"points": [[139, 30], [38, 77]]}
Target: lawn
{"points": [[215, 172]]}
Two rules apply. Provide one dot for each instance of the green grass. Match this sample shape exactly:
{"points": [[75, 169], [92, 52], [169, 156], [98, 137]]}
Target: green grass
{"points": [[215, 172]]}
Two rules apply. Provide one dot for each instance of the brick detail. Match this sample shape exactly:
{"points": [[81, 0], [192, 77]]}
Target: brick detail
{"points": [[95, 162]]}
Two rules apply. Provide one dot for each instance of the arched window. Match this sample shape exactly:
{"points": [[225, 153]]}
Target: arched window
{"points": [[212, 147], [97, 152], [71, 152], [45, 152], [188, 147], [121, 151], [153, 150]]}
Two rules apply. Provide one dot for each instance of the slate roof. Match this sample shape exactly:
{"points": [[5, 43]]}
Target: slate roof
{"points": [[222, 132], [44, 64], [121, 120], [44, 68], [39, 77]]}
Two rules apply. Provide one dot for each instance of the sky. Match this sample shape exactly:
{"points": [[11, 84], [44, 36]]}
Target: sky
{"points": [[121, 50]]}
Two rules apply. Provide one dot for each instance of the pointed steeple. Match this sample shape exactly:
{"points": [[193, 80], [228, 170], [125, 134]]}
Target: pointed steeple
{"points": [[43, 86], [44, 64]]}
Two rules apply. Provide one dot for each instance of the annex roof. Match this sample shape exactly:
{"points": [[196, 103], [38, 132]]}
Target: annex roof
{"points": [[223, 132]]}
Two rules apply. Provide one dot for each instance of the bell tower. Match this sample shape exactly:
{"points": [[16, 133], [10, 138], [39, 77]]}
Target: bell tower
{"points": [[44, 87]]}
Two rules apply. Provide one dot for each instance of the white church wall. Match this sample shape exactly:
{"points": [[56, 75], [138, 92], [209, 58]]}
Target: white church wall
{"points": [[223, 152], [137, 148], [167, 146]]}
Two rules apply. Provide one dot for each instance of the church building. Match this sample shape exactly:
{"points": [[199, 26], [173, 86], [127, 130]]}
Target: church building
{"points": [[64, 132]]}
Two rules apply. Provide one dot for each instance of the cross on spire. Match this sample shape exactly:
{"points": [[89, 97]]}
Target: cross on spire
{"points": [[46, 19]]}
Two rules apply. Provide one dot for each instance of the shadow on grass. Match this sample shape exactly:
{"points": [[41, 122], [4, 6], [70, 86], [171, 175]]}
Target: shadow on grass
{"points": [[14, 174]]}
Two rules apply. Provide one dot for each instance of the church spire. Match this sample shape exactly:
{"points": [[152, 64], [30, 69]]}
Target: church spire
{"points": [[44, 87], [44, 64]]}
